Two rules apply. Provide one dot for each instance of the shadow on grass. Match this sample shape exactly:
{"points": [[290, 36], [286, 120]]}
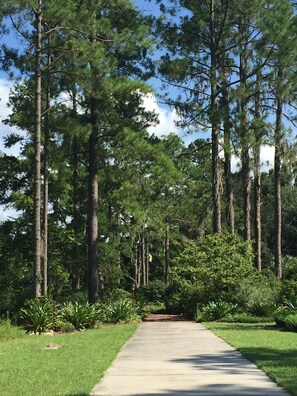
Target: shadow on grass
{"points": [[242, 326], [78, 394]]}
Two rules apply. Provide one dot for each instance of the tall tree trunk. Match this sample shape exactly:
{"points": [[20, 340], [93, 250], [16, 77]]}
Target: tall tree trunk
{"points": [[76, 210], [143, 259], [166, 254], [245, 158], [216, 171], [257, 182], [37, 157], [227, 162], [93, 230], [46, 177], [277, 185]]}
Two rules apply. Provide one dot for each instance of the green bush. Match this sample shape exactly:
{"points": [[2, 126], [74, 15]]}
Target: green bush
{"points": [[62, 326], [214, 311], [153, 292], [289, 291], [282, 312], [246, 318], [290, 321], [173, 299], [259, 297], [210, 269], [217, 263], [81, 316], [37, 315], [8, 331], [116, 294], [123, 311]]}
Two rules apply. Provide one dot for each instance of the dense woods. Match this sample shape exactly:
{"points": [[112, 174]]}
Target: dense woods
{"points": [[105, 205]]}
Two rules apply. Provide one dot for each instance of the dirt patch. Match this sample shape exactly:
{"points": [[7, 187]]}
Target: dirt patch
{"points": [[164, 318]]}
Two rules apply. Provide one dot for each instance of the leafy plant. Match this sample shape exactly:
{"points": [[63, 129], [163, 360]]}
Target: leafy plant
{"points": [[8, 331], [290, 321], [81, 316], [118, 311], [259, 297], [215, 311], [153, 292], [37, 315], [245, 317]]}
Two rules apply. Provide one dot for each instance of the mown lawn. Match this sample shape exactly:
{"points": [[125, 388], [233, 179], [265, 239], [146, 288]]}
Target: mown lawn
{"points": [[273, 350], [28, 369]]}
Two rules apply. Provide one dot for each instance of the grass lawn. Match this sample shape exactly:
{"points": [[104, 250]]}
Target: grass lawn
{"points": [[273, 350], [28, 369]]}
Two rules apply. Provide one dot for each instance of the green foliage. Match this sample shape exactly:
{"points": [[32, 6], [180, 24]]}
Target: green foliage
{"points": [[245, 317], [214, 311], [282, 312], [210, 269], [220, 262], [122, 311], [153, 292], [259, 297], [37, 315], [81, 316], [290, 321], [116, 294], [289, 291], [62, 326], [8, 331]]}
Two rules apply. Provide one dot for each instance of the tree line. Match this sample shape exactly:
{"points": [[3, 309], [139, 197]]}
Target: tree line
{"points": [[103, 203]]}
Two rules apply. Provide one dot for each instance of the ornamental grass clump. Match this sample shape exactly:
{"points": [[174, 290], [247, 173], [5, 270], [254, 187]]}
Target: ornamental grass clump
{"points": [[215, 311], [123, 311], [81, 316], [37, 315]]}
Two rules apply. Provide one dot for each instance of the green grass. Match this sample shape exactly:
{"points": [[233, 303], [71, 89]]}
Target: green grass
{"points": [[273, 350], [28, 369], [9, 332]]}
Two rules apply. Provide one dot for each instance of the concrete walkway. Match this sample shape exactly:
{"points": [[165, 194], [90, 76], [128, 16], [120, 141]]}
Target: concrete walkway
{"points": [[182, 358]]}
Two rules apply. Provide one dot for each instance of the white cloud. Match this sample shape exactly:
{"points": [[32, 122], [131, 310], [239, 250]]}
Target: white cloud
{"points": [[266, 159], [167, 117], [5, 130]]}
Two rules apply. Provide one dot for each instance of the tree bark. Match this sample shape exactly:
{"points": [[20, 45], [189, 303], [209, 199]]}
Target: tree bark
{"points": [[93, 230], [37, 157], [227, 163], [277, 185], [245, 158], [46, 178], [76, 210], [216, 171], [166, 255], [257, 183]]}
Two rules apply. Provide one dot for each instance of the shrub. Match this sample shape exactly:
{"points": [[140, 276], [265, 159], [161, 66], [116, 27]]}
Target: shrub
{"points": [[111, 295], [290, 321], [8, 331], [217, 263], [259, 297], [118, 312], [153, 292], [214, 311], [62, 326], [173, 300], [37, 315], [246, 318], [282, 312], [81, 316], [289, 291]]}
